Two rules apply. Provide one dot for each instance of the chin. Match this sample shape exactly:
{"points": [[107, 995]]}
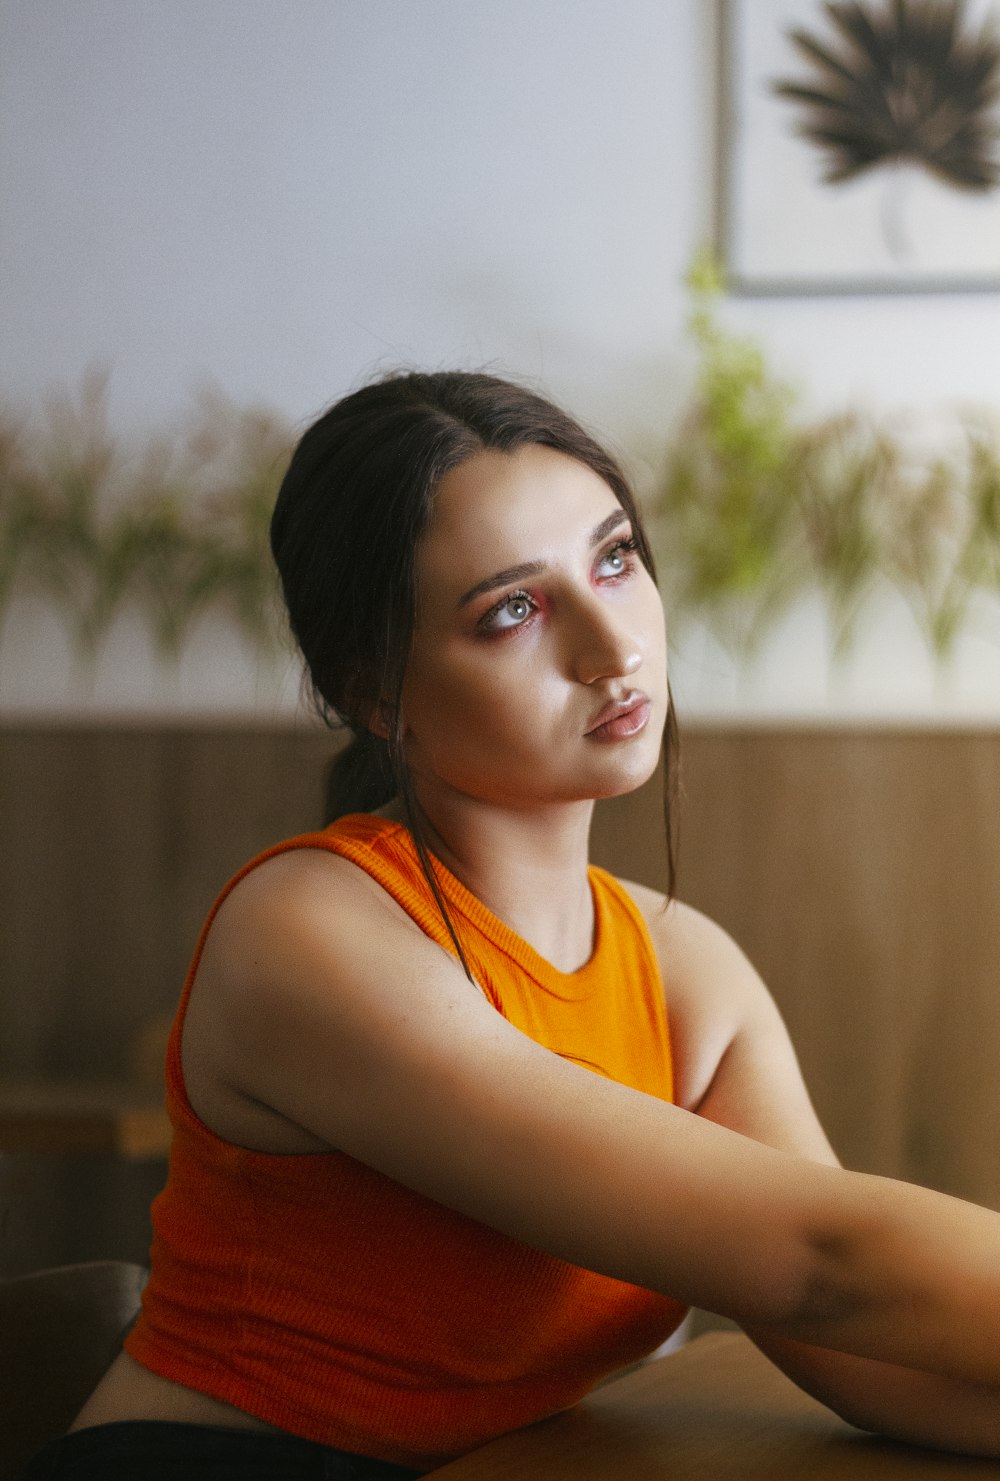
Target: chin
{"points": [[628, 781], [627, 771]]}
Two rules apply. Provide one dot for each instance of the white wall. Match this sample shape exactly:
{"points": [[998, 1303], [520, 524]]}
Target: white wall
{"points": [[286, 195]]}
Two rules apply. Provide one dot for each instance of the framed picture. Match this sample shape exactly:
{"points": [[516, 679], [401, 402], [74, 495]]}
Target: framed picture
{"points": [[860, 146]]}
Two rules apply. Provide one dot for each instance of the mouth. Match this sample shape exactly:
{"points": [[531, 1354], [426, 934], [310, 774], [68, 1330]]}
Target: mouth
{"points": [[622, 718]]}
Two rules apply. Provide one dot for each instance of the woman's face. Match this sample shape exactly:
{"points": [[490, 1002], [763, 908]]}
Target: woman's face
{"points": [[538, 669]]}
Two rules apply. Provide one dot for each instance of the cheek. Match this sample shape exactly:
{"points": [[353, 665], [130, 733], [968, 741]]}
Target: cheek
{"points": [[478, 691], [650, 615], [443, 699], [485, 705]]}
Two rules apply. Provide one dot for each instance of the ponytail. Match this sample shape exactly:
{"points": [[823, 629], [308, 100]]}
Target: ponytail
{"points": [[360, 778]]}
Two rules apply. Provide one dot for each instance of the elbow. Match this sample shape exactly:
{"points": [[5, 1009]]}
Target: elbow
{"points": [[821, 1293], [830, 1292], [815, 1266]]}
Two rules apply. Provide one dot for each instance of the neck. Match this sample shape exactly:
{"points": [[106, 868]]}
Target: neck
{"points": [[528, 866]]}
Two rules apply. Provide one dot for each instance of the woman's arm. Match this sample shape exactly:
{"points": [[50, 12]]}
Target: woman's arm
{"points": [[323, 1001], [756, 1086]]}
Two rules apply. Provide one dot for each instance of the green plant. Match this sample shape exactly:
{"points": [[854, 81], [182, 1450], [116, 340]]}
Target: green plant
{"points": [[50, 496], [172, 529], [841, 462], [758, 505], [943, 538], [19, 501], [725, 514]]}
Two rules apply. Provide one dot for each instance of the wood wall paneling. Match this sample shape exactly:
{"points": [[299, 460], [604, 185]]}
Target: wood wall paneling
{"points": [[115, 843], [861, 873]]}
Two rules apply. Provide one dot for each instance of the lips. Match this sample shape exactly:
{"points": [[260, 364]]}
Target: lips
{"points": [[622, 718]]}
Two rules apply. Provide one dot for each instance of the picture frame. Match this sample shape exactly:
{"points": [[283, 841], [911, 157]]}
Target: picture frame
{"points": [[899, 223]]}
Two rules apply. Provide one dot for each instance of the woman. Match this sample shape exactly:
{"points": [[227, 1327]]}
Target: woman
{"points": [[439, 1164]]}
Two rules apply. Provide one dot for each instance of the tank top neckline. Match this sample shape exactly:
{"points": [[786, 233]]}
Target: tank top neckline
{"points": [[369, 829]]}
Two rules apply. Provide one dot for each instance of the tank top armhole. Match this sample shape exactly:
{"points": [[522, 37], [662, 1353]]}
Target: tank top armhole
{"points": [[358, 851], [176, 1089]]}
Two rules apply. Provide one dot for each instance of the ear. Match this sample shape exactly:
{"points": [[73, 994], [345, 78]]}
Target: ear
{"points": [[378, 719]]}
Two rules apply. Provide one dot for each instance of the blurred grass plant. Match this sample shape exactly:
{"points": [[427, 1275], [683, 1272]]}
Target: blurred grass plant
{"points": [[172, 529], [758, 505], [725, 516], [944, 544]]}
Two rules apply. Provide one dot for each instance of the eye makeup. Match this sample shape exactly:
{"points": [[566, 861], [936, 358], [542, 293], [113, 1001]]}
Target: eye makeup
{"points": [[491, 623], [614, 522]]}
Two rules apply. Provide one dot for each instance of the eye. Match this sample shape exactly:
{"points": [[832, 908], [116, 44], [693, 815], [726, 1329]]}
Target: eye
{"points": [[512, 612], [619, 560]]}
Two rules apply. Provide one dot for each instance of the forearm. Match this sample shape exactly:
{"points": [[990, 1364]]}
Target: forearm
{"points": [[898, 1325], [902, 1403]]}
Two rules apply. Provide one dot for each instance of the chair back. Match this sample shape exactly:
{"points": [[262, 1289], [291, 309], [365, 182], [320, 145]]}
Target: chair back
{"points": [[59, 1331]]}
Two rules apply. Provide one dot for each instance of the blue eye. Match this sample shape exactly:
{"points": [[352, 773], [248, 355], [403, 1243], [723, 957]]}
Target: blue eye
{"points": [[511, 612], [618, 561]]}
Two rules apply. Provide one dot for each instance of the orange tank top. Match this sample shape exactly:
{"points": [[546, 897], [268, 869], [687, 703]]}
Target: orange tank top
{"points": [[325, 1298]]}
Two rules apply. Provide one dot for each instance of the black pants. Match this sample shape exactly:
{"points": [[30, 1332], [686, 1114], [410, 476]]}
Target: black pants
{"points": [[159, 1450]]}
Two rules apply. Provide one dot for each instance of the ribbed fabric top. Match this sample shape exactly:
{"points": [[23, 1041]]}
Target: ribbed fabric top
{"points": [[323, 1297]]}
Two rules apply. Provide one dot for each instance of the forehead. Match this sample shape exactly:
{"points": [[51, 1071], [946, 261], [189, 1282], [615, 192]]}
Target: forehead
{"points": [[500, 508]]}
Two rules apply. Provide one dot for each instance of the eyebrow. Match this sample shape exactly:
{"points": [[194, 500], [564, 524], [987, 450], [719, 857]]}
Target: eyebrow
{"points": [[535, 568]]}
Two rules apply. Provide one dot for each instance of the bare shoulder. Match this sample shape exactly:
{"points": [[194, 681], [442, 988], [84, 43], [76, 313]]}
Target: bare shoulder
{"points": [[293, 905], [302, 881], [309, 919], [303, 950], [693, 950]]}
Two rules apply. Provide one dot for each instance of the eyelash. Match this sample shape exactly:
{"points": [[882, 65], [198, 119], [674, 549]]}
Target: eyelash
{"points": [[627, 547]]}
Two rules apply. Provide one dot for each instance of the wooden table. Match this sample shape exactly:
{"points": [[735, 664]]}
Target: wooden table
{"points": [[715, 1411]]}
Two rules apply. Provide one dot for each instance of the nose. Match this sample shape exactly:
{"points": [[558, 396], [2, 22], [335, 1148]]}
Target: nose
{"points": [[602, 645]]}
